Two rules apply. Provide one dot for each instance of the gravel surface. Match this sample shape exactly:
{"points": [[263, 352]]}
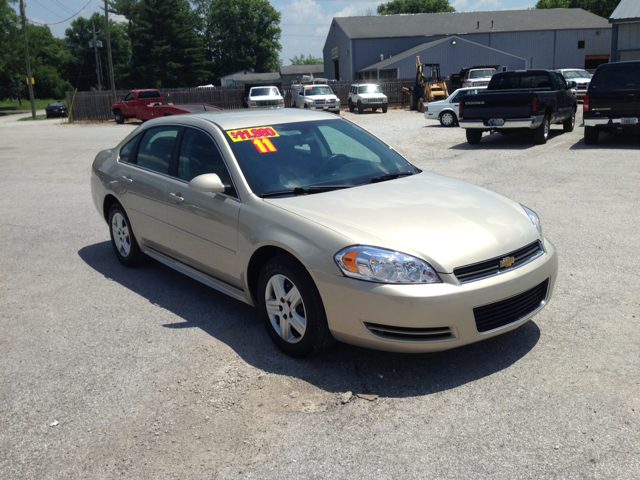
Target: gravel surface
{"points": [[108, 372]]}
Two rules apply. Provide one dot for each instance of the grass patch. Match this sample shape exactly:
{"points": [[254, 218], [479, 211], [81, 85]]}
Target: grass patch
{"points": [[38, 117], [12, 105]]}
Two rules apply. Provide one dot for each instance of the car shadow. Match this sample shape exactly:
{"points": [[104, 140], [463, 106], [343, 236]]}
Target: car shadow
{"points": [[498, 141], [622, 141], [341, 369]]}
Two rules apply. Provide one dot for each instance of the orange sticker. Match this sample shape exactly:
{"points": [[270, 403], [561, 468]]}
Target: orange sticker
{"points": [[264, 145], [252, 133]]}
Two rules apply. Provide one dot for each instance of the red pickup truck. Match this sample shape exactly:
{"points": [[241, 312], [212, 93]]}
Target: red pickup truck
{"points": [[147, 104]]}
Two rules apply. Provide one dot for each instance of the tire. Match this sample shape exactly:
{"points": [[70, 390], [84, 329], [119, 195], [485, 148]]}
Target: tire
{"points": [[374, 109], [119, 117], [421, 105], [473, 136], [448, 119], [360, 109], [569, 123], [591, 135], [351, 107], [123, 240], [384, 109], [541, 134], [306, 106], [284, 277]]}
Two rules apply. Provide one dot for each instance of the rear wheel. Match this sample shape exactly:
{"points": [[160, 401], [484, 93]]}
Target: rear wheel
{"points": [[591, 135], [291, 308], [473, 136], [448, 119], [569, 123], [119, 117], [123, 240], [541, 134]]}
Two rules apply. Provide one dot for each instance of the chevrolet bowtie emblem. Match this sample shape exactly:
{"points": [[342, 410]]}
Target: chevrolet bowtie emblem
{"points": [[507, 262]]}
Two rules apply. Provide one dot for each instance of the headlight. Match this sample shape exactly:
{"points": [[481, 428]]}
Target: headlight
{"points": [[386, 266], [534, 219]]}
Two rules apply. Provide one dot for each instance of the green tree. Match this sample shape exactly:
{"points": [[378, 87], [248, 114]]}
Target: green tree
{"points": [[165, 50], [415, 6], [302, 60], [603, 8], [82, 70], [11, 52], [49, 60], [245, 34]]}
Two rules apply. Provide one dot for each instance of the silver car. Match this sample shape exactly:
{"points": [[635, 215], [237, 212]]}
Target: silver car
{"points": [[447, 110], [581, 77], [326, 229]]}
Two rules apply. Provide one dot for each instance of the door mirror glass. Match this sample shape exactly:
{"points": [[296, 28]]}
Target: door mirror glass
{"points": [[208, 182]]}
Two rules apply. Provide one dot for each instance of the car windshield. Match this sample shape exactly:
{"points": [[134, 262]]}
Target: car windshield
{"points": [[304, 157], [481, 73], [319, 90], [369, 89], [264, 91], [575, 74]]}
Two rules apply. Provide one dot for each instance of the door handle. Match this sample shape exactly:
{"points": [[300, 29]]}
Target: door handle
{"points": [[127, 178], [177, 196]]}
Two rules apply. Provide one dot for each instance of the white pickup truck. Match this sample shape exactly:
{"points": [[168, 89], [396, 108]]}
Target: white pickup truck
{"points": [[315, 97], [265, 97]]}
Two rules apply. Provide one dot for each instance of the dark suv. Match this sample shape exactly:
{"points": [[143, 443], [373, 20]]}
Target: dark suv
{"points": [[612, 102]]}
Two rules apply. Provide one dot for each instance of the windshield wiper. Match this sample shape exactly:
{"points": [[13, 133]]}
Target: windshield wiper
{"points": [[389, 176], [305, 190]]}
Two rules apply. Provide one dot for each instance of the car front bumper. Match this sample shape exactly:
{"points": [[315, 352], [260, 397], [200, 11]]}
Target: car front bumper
{"points": [[531, 123], [331, 108], [352, 304]]}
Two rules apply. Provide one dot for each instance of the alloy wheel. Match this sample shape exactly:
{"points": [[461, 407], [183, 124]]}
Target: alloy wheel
{"points": [[285, 308], [121, 236]]}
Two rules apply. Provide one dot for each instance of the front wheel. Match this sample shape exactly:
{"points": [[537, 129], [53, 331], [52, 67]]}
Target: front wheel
{"points": [[351, 107], [541, 134], [291, 308], [119, 117], [569, 123], [360, 107], [591, 135], [384, 109], [374, 109], [473, 136], [123, 240], [448, 119]]}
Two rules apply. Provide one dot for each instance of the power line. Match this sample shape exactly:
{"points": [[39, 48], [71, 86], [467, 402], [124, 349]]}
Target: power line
{"points": [[51, 11], [65, 20], [62, 5]]}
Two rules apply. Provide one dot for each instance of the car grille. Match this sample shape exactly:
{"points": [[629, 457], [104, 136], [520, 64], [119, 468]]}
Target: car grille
{"points": [[582, 86], [410, 334], [267, 103], [510, 310], [376, 100], [489, 268], [319, 102]]}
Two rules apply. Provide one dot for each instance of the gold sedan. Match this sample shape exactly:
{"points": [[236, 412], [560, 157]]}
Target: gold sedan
{"points": [[326, 229]]}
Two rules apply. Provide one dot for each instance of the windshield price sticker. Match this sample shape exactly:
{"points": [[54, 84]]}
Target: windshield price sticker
{"points": [[252, 134], [264, 145]]}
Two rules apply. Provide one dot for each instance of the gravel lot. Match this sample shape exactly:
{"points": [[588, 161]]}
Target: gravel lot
{"points": [[107, 372]]}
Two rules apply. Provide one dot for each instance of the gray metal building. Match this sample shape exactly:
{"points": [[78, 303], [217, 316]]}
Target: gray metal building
{"points": [[544, 38], [625, 35]]}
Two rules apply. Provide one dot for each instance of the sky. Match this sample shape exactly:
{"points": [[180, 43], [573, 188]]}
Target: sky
{"points": [[305, 23]]}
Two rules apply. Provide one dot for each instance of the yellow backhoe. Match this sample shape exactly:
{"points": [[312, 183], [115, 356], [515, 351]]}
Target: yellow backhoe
{"points": [[427, 89]]}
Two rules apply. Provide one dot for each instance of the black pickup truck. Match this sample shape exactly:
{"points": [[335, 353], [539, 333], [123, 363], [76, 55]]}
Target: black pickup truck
{"points": [[612, 102], [526, 100]]}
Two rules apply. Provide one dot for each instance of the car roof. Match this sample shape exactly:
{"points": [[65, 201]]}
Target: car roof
{"points": [[233, 119], [471, 88]]}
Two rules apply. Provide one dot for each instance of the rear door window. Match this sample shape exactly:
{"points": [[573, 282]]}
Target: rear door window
{"points": [[199, 154], [156, 148]]}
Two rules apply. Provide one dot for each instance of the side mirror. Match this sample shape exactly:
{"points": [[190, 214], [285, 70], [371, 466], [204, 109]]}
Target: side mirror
{"points": [[572, 84], [209, 182]]}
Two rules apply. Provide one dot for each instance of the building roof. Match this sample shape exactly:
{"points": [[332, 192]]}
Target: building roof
{"points": [[627, 11], [414, 25], [415, 50], [301, 69]]}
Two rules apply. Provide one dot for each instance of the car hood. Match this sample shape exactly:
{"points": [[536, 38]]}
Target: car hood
{"points": [[372, 95], [321, 97], [447, 222], [265, 97]]}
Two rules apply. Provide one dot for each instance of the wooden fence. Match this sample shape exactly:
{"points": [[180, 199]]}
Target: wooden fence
{"points": [[97, 105]]}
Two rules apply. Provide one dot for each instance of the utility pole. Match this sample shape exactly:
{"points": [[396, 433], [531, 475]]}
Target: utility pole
{"points": [[23, 14], [95, 50], [113, 81]]}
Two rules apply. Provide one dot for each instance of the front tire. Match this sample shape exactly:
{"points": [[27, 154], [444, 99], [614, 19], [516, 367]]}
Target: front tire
{"points": [[360, 108], [291, 308], [473, 136], [384, 109], [541, 134], [591, 135], [123, 240], [569, 123], [351, 107], [448, 119], [119, 117]]}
